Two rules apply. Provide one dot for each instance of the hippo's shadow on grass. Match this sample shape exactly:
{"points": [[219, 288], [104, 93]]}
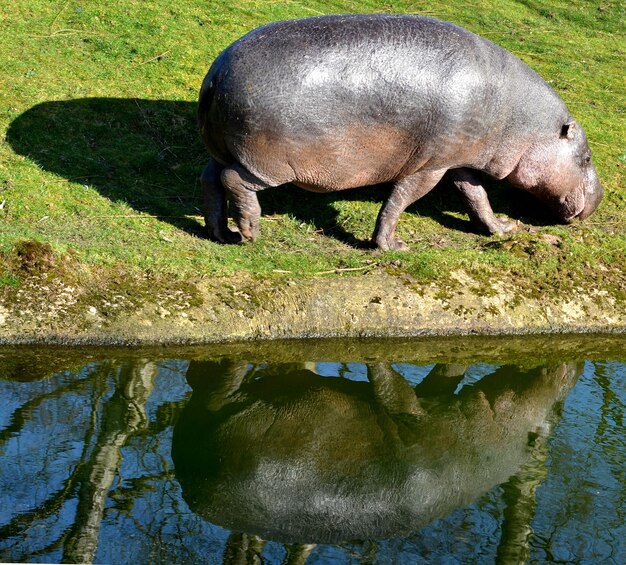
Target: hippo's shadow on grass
{"points": [[142, 152], [148, 154]]}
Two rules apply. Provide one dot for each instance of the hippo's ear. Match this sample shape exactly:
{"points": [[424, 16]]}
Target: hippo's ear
{"points": [[568, 130]]}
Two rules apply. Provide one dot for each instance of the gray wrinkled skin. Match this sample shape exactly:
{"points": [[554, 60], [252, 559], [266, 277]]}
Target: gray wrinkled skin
{"points": [[336, 102]]}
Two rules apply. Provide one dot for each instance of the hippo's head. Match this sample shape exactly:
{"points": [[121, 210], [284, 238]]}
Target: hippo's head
{"points": [[559, 172]]}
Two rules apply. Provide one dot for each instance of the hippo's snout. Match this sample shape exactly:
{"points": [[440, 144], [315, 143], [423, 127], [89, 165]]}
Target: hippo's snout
{"points": [[580, 203], [591, 203], [593, 195]]}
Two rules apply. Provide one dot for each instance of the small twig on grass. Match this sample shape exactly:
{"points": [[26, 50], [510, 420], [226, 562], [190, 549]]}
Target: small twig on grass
{"points": [[333, 271], [54, 21], [305, 7], [64, 33], [155, 58], [431, 13], [530, 54], [188, 217], [71, 31], [594, 142]]}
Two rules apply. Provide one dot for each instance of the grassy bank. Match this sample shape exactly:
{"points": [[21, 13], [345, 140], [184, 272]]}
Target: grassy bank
{"points": [[100, 153]]}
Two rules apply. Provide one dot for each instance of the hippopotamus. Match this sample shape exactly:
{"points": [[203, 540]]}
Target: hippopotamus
{"points": [[283, 453], [330, 103]]}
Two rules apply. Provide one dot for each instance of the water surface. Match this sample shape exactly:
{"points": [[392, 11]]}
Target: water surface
{"points": [[423, 451]]}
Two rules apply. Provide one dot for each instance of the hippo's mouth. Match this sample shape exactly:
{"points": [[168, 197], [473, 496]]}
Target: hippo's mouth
{"points": [[573, 206], [578, 215], [581, 215], [591, 200], [590, 196], [585, 212]]}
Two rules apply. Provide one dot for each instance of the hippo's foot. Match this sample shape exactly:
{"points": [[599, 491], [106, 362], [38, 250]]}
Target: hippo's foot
{"points": [[488, 223], [242, 187], [223, 234], [391, 244], [469, 185], [248, 225], [500, 226]]}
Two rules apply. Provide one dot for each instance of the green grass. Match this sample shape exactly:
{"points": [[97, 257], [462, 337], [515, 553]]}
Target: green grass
{"points": [[100, 153]]}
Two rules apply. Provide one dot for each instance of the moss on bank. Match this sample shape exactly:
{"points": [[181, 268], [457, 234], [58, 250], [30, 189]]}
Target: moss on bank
{"points": [[54, 303]]}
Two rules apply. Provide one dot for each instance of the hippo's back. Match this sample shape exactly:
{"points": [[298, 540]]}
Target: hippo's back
{"points": [[331, 85]]}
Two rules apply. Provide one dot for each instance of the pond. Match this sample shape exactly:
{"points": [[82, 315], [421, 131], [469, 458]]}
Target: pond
{"points": [[458, 450]]}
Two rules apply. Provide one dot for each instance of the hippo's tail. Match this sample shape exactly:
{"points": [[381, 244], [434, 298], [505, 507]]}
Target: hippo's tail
{"points": [[205, 98]]}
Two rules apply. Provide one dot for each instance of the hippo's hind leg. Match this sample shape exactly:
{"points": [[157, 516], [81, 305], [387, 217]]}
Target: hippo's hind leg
{"points": [[242, 186], [215, 205], [468, 183], [403, 194]]}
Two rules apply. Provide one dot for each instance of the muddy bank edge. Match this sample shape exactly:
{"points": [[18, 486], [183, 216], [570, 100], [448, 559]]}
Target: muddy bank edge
{"points": [[250, 308]]}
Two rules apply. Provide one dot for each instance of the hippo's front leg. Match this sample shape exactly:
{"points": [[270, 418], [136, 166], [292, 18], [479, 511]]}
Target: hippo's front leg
{"points": [[403, 194], [242, 187], [481, 214]]}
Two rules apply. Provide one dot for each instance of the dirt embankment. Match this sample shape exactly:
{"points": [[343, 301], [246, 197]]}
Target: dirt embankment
{"points": [[51, 307]]}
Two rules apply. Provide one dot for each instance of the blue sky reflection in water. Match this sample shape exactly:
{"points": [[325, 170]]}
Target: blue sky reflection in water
{"points": [[143, 458]]}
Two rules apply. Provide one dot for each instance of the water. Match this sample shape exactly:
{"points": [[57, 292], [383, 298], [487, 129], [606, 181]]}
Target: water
{"points": [[423, 451]]}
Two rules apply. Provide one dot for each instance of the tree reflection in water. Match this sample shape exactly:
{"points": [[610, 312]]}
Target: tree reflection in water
{"points": [[174, 460]]}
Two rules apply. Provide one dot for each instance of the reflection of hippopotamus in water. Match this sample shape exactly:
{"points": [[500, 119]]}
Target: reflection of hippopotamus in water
{"points": [[286, 454], [337, 102]]}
